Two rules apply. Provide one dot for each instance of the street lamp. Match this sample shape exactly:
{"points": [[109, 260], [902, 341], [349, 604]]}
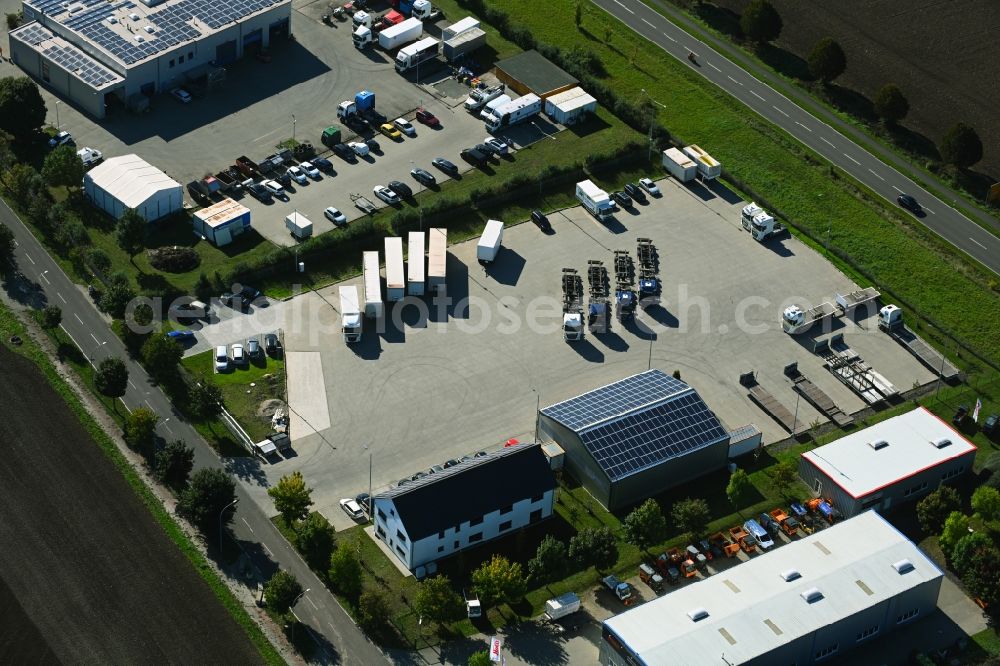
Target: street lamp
{"points": [[293, 127], [300, 595], [652, 119], [221, 513]]}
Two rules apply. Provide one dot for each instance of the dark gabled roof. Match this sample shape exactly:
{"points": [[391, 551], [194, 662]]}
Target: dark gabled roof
{"points": [[537, 72], [471, 489]]}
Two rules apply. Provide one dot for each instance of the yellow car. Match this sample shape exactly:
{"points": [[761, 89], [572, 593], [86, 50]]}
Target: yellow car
{"points": [[390, 131]]}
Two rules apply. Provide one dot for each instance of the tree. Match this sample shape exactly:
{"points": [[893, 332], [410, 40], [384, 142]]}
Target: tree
{"points": [[116, 298], [345, 572], [174, 464], [211, 490], [291, 497], [161, 356], [98, 260], [783, 476], [205, 401], [955, 527], [130, 232], [961, 146], [63, 166], [438, 602], [968, 550], [373, 610], [827, 60], [691, 516], [549, 562], [934, 509], [140, 428], [760, 22], [70, 233], [890, 104], [645, 525], [976, 559], [22, 109], [51, 316], [282, 591], [7, 245], [739, 488], [111, 378], [22, 183], [986, 502], [314, 536], [481, 658], [498, 580], [203, 288], [594, 546]]}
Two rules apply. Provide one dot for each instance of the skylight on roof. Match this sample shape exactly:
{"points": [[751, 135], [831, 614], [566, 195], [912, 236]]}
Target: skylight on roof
{"points": [[902, 566], [811, 595]]}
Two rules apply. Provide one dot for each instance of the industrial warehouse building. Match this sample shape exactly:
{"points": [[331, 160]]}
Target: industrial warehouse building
{"points": [[531, 72], [804, 603], [465, 505], [128, 181], [895, 461], [221, 222], [90, 52], [637, 437]]}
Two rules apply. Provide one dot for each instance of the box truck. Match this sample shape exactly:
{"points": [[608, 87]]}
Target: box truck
{"points": [[595, 200], [515, 112], [679, 165], [708, 168], [437, 253], [489, 242], [372, 284], [415, 264], [414, 54], [299, 225], [492, 105], [561, 606], [395, 282], [350, 314]]}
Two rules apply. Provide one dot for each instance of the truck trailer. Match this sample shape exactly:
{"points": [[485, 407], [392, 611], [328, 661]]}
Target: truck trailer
{"points": [[415, 264], [457, 28], [679, 165], [595, 200], [515, 112], [490, 242], [395, 281], [708, 168], [458, 46], [437, 254], [298, 225], [414, 54], [350, 314], [373, 285]]}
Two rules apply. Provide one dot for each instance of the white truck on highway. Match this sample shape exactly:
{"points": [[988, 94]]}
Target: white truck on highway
{"points": [[595, 200], [395, 281], [708, 168], [350, 314], [680, 166], [514, 112], [372, 284], [490, 242]]}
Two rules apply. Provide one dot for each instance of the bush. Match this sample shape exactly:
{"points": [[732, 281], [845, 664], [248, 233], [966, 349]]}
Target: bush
{"points": [[173, 259]]}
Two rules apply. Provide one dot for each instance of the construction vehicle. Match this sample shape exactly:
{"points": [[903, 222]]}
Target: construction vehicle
{"points": [[788, 524], [689, 568], [620, 589], [823, 508], [598, 308], [802, 515], [625, 297], [572, 288], [648, 576], [698, 557], [668, 567], [473, 608], [746, 541], [649, 269], [728, 548]]}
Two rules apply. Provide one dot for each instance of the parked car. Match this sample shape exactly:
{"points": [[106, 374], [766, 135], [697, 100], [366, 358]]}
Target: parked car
{"points": [[275, 189], [284, 178], [310, 170], [648, 185], [390, 131], [181, 95], [475, 157], [450, 463], [322, 164], [622, 199], [272, 346], [373, 145], [427, 118], [89, 156], [181, 335], [444, 165], [297, 175], [538, 217], [635, 192], [253, 348], [386, 195], [484, 149], [238, 355], [259, 192], [352, 508], [335, 216], [61, 139], [405, 126], [400, 188], [360, 148], [497, 146], [344, 152], [221, 358], [909, 203], [364, 500], [423, 177]]}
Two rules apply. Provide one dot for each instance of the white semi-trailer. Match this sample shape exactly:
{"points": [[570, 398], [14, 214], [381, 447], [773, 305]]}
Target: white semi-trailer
{"points": [[415, 274], [395, 281], [373, 285], [437, 253]]}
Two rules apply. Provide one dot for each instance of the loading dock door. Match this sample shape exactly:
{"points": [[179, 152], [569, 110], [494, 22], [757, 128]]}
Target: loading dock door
{"points": [[252, 42], [225, 53], [277, 29]]}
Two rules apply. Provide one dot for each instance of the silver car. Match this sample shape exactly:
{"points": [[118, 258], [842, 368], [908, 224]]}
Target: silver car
{"points": [[386, 195]]}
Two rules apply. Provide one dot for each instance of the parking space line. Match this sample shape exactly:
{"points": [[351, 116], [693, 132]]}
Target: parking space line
{"points": [[126, 405], [756, 95], [928, 210], [132, 385], [265, 547], [95, 338], [876, 175], [852, 159], [315, 607], [827, 142], [779, 111], [148, 405]]}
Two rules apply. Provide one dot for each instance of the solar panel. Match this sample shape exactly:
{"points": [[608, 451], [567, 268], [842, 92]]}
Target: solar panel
{"points": [[615, 399], [77, 63], [33, 34]]}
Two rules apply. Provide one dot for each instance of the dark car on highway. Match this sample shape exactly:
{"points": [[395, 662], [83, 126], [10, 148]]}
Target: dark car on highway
{"points": [[538, 217], [445, 165], [909, 203], [345, 152], [402, 189], [423, 177]]}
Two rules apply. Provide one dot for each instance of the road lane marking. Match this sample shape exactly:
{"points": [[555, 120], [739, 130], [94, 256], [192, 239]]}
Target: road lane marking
{"points": [[623, 7], [266, 548], [78, 345], [126, 405], [897, 189], [876, 175], [133, 385], [713, 66], [263, 136], [78, 318], [977, 243], [806, 128], [852, 159], [827, 142], [756, 95], [312, 604], [60, 297], [95, 338], [779, 111], [148, 405], [247, 524], [649, 24], [29, 257], [734, 80], [929, 210], [168, 428], [45, 278], [670, 38]]}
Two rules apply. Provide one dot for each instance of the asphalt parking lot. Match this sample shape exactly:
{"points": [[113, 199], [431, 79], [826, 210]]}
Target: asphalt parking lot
{"points": [[464, 375]]}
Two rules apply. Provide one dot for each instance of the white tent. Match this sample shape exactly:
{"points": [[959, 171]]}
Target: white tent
{"points": [[129, 181]]}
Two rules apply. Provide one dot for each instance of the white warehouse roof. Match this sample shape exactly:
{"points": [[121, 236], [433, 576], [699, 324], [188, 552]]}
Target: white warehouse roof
{"points": [[130, 179], [889, 451], [752, 608]]}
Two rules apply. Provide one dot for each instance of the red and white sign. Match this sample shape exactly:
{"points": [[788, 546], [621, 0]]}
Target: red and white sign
{"points": [[495, 644]]}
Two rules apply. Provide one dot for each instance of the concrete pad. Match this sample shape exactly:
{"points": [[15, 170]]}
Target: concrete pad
{"points": [[308, 412]]}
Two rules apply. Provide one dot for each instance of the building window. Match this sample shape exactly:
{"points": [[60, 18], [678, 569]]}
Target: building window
{"points": [[171, 63], [473, 538], [401, 536], [440, 549], [476, 521], [535, 516], [908, 615], [441, 534], [455, 546], [380, 531], [915, 489], [507, 509], [400, 551], [538, 498], [180, 59], [505, 525], [381, 515], [867, 633], [190, 55], [953, 473], [392, 512], [827, 651]]}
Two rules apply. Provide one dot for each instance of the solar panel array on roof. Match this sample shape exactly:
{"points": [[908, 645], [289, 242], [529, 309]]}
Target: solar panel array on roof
{"points": [[636, 441], [33, 34], [75, 62], [615, 399]]}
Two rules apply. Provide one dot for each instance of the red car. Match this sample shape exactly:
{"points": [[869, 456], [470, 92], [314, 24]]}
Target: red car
{"points": [[427, 118]]}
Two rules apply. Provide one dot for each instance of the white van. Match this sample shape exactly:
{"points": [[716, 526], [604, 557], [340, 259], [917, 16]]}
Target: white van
{"points": [[221, 358]]}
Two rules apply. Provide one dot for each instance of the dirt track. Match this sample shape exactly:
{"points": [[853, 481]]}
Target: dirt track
{"points": [[942, 54], [86, 574]]}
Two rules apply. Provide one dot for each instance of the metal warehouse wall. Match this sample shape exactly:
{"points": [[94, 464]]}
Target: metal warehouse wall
{"points": [[579, 463]]}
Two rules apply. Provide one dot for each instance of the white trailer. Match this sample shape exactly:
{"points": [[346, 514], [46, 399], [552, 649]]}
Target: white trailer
{"points": [[680, 166], [490, 242], [437, 254], [401, 33], [414, 54], [395, 282], [467, 42], [373, 285], [570, 106], [350, 314], [561, 606], [415, 264], [492, 105], [708, 168], [595, 200], [515, 112], [299, 225], [456, 29]]}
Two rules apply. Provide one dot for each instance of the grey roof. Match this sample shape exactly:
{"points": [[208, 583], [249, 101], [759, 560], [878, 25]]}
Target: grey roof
{"points": [[639, 422], [536, 71], [471, 489]]}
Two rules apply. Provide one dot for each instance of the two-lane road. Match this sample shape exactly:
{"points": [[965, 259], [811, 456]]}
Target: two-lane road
{"points": [[319, 609], [886, 181]]}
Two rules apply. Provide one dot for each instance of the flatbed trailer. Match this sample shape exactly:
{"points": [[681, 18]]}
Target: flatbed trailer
{"points": [[649, 269], [855, 299], [625, 296], [848, 366], [930, 357], [770, 404], [816, 396], [597, 308], [363, 204], [572, 289]]}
